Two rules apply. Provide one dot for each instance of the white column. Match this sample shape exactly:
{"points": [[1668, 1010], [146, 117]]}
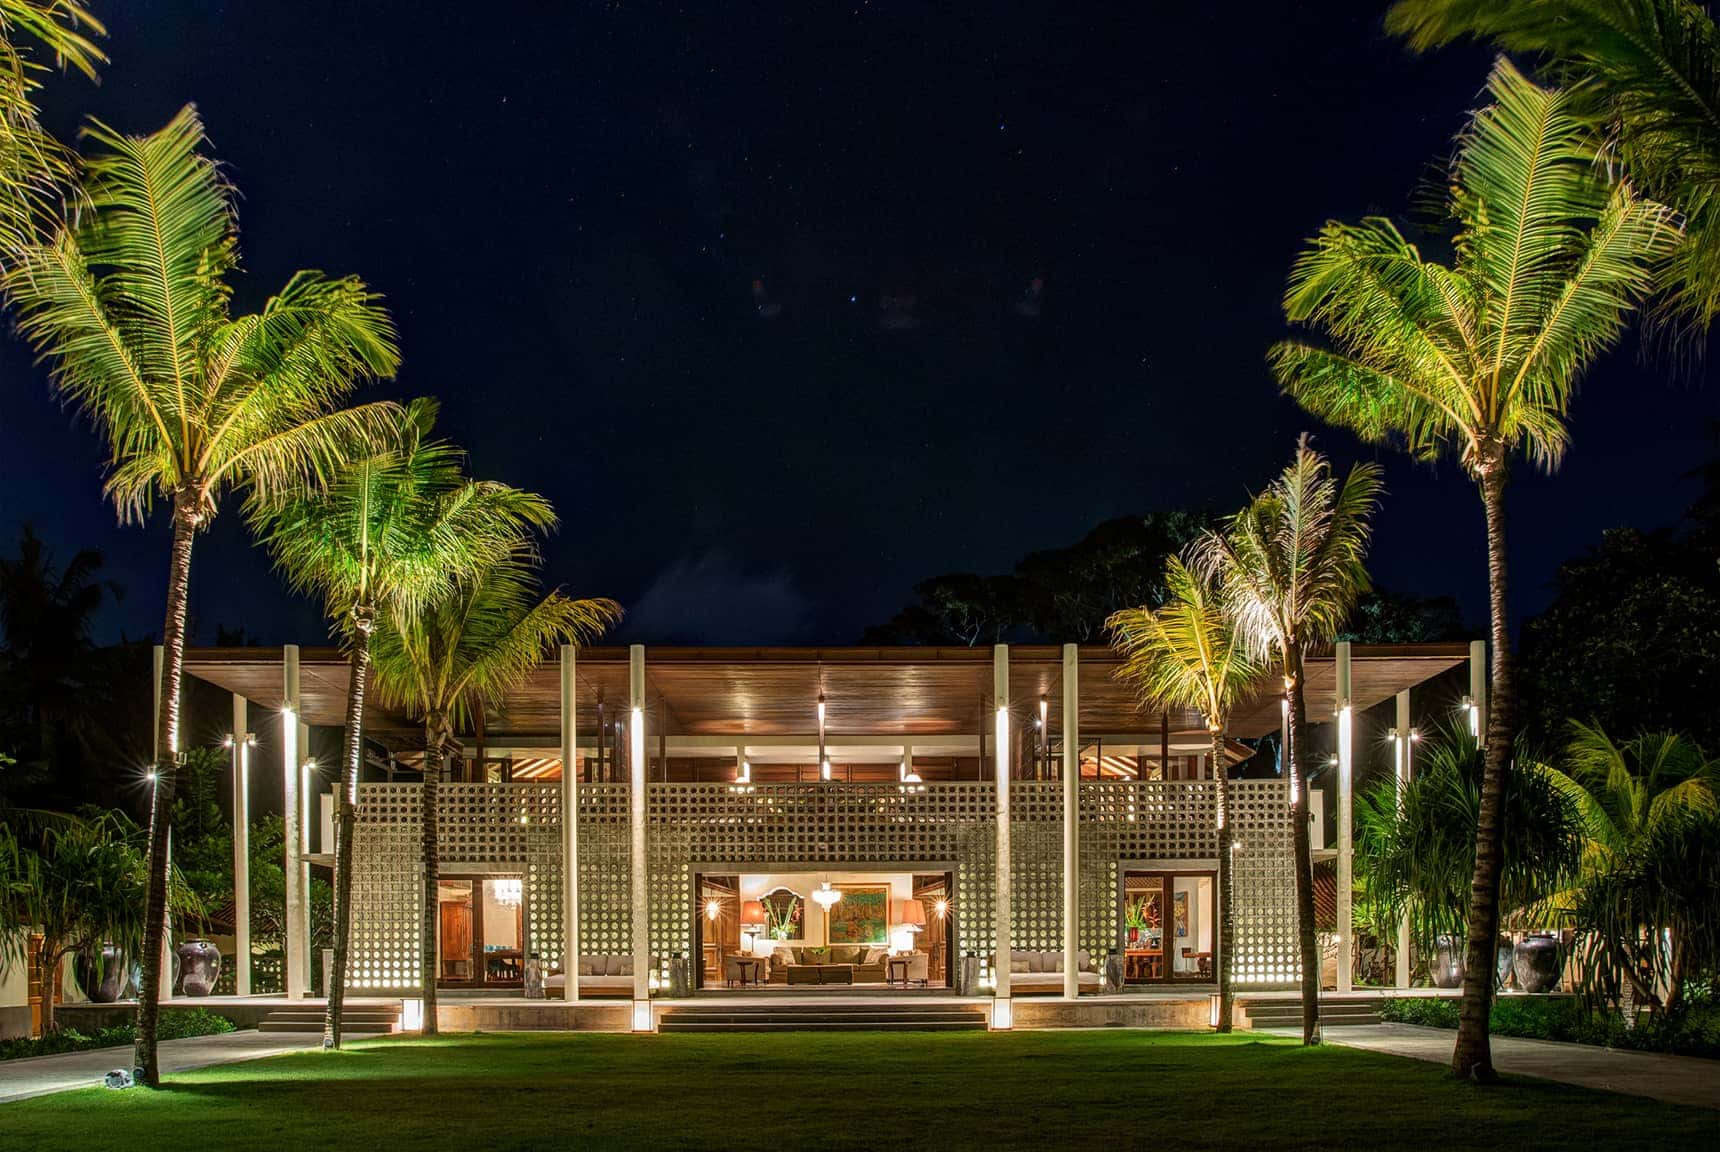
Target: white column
{"points": [[241, 847], [1071, 819], [1401, 749], [569, 828], [1346, 845], [1478, 690], [296, 948], [636, 824], [165, 984], [1001, 1008]]}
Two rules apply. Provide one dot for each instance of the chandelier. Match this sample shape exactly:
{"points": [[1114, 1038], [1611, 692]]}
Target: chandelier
{"points": [[825, 895], [506, 892]]}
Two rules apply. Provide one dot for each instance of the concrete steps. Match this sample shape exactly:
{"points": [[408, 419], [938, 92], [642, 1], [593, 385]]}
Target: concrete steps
{"points": [[1334, 1010], [823, 1018], [365, 1021]]}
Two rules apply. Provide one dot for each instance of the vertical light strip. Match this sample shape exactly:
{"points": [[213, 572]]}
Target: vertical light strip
{"points": [[241, 847], [1346, 837], [1401, 750], [297, 950], [1001, 1015], [641, 918], [569, 825]]}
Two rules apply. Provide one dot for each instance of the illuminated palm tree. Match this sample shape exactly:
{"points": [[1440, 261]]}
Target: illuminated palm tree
{"points": [[1647, 903], [1480, 357], [1292, 565], [1189, 653], [389, 533], [444, 662], [1654, 67], [129, 304], [35, 169]]}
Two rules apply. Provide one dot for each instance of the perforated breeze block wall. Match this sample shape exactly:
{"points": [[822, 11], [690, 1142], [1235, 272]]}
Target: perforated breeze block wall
{"points": [[786, 827]]}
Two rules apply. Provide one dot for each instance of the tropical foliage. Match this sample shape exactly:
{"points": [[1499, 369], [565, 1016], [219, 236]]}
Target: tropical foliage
{"points": [[1480, 357], [446, 661], [1189, 653], [129, 303], [1415, 850], [1291, 566], [36, 170], [1653, 68], [1647, 904]]}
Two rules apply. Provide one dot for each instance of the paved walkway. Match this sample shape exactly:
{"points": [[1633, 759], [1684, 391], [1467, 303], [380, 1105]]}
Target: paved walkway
{"points": [[1674, 1079], [40, 1075]]}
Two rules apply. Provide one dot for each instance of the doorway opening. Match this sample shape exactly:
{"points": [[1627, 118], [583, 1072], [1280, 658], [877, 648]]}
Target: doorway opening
{"points": [[480, 932], [1168, 926]]}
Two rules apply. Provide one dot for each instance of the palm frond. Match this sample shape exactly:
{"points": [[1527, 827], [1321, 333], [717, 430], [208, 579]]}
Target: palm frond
{"points": [[1188, 652]]}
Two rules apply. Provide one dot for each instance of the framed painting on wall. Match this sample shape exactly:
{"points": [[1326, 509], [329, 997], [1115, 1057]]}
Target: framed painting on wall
{"points": [[1179, 910], [862, 916]]}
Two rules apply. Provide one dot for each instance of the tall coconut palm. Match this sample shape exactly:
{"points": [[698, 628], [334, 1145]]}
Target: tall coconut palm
{"points": [[446, 661], [1480, 357], [389, 533], [1189, 653], [36, 170], [1647, 902], [1292, 565], [129, 304], [1654, 68]]}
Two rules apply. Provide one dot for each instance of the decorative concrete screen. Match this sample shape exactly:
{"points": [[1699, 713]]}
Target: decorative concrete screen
{"points": [[785, 827]]}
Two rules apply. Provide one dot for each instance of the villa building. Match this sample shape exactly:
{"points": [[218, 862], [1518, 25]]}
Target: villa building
{"points": [[809, 816]]}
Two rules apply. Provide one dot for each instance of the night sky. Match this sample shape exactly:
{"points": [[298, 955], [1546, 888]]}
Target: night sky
{"points": [[788, 309]]}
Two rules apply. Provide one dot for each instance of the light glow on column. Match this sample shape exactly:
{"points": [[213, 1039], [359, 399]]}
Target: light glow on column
{"points": [[636, 742], [1345, 759], [1002, 1014]]}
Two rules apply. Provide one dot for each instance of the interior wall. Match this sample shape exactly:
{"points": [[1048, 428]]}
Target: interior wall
{"points": [[1199, 939], [802, 884], [501, 921]]}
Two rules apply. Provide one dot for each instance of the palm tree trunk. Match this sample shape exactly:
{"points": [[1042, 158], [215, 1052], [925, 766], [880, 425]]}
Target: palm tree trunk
{"points": [[1226, 912], [187, 512], [48, 964], [435, 763], [1295, 756], [1472, 1058], [352, 752]]}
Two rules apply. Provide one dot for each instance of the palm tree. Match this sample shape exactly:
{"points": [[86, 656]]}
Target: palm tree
{"points": [[1654, 68], [35, 169], [1482, 357], [446, 661], [390, 531], [1416, 848], [1647, 903], [1292, 565], [130, 305], [1189, 653]]}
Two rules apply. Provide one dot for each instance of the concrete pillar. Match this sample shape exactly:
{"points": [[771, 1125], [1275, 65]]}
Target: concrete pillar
{"points": [[296, 950], [1478, 690], [165, 985], [641, 907], [1071, 818], [1346, 838], [241, 847], [569, 828], [1001, 1013], [1402, 747]]}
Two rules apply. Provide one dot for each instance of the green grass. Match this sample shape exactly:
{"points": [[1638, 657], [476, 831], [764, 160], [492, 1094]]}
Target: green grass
{"points": [[1038, 1090]]}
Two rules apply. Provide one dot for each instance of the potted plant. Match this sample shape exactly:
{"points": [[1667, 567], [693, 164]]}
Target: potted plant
{"points": [[1135, 916]]}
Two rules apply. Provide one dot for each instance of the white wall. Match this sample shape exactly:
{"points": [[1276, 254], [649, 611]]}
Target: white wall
{"points": [[501, 921], [802, 884], [1199, 938], [14, 1000]]}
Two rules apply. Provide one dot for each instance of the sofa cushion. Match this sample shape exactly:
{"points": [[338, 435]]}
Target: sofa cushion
{"points": [[1021, 965], [875, 956], [620, 966], [844, 954], [585, 965]]}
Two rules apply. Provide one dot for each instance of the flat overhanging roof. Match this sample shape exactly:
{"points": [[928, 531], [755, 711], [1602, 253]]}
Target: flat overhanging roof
{"points": [[772, 692]]}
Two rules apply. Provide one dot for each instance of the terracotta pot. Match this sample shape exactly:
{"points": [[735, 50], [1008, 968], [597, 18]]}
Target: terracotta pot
{"points": [[1536, 963], [1447, 967], [199, 967], [103, 977], [1502, 961]]}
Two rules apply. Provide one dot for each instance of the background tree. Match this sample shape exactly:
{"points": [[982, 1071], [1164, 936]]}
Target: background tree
{"points": [[1653, 66], [1384, 617], [444, 662], [1415, 854], [1480, 357], [390, 532], [1648, 901], [1292, 565], [129, 304], [1190, 654]]}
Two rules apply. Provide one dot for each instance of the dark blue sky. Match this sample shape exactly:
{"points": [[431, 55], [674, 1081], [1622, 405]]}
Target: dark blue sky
{"points": [[568, 206]]}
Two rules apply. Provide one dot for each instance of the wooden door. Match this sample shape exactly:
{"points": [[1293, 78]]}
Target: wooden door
{"points": [[456, 940]]}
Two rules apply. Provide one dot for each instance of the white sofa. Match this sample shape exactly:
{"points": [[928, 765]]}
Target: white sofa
{"points": [[599, 975], [1042, 972]]}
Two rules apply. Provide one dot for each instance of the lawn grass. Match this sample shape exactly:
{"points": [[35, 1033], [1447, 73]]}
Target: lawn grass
{"points": [[1038, 1090]]}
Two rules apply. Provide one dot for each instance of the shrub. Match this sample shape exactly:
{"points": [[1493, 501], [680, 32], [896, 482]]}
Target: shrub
{"points": [[1692, 1031], [176, 1024]]}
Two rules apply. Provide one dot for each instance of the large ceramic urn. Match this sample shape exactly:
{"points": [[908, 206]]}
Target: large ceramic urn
{"points": [[1536, 963], [1447, 967], [102, 975], [199, 967]]}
